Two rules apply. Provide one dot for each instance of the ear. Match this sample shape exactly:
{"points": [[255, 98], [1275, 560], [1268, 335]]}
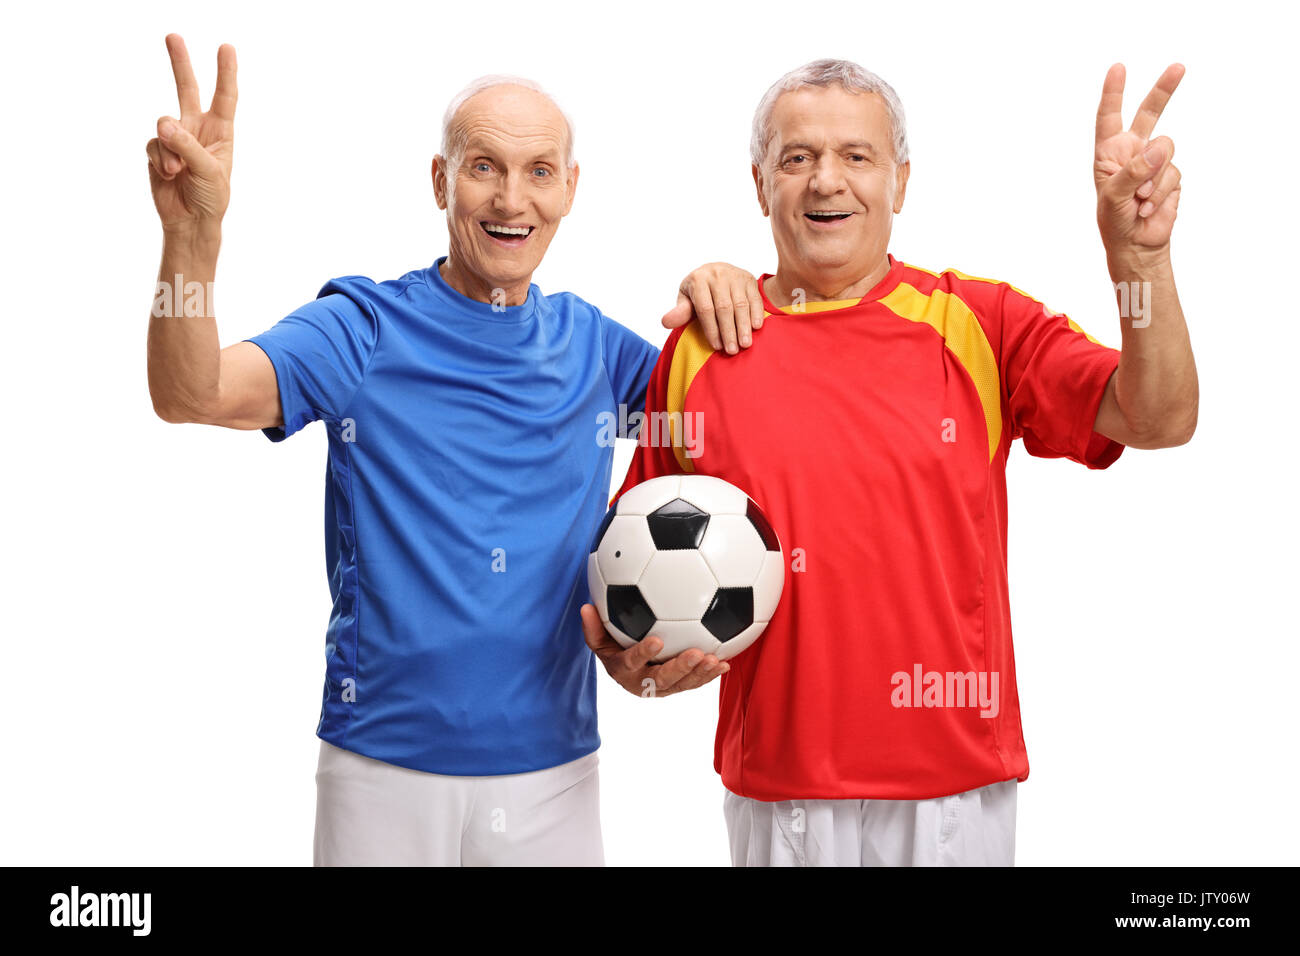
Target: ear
{"points": [[571, 187], [900, 185], [758, 185], [440, 181]]}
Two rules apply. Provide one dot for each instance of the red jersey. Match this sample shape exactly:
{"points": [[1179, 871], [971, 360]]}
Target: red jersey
{"points": [[874, 434]]}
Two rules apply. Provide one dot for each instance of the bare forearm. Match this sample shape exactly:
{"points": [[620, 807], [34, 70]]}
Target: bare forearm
{"points": [[184, 348], [1155, 385]]}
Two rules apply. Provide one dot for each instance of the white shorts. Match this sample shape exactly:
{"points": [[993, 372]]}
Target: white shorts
{"points": [[975, 828], [371, 813]]}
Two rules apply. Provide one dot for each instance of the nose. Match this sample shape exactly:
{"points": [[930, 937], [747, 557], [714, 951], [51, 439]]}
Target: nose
{"points": [[510, 194], [827, 178]]}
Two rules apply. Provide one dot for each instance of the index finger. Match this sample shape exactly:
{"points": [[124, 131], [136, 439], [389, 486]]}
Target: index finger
{"points": [[637, 657], [1110, 119], [672, 671], [1154, 104], [187, 88], [702, 302]]}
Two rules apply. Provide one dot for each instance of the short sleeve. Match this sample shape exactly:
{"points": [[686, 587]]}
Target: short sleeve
{"points": [[1054, 375], [320, 353], [629, 360]]}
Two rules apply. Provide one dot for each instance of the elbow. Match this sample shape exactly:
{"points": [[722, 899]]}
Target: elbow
{"points": [[1184, 434], [172, 415], [177, 405], [1172, 439], [170, 412], [1178, 430], [175, 412], [1186, 424]]}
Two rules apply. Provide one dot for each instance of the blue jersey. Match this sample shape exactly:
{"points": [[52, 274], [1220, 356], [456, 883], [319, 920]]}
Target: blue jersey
{"points": [[469, 466]]}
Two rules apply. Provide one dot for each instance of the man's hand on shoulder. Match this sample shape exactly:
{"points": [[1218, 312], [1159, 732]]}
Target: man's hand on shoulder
{"points": [[726, 302]]}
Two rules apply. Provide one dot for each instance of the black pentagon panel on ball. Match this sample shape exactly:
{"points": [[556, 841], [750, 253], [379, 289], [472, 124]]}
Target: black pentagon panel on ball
{"points": [[604, 526], [760, 523], [628, 610], [730, 613], [677, 526]]}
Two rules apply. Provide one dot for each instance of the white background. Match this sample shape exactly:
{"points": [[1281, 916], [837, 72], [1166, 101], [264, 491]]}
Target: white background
{"points": [[165, 596]]}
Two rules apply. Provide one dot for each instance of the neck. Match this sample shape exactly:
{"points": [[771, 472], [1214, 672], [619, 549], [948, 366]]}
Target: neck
{"points": [[822, 286], [479, 289]]}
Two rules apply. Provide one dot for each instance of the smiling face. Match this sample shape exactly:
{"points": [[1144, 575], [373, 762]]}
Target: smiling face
{"points": [[507, 193], [831, 187]]}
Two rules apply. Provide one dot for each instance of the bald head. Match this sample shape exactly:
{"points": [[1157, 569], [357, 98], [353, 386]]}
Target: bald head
{"points": [[515, 103]]}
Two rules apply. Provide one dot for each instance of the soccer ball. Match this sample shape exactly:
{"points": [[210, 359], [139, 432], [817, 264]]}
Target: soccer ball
{"points": [[690, 559]]}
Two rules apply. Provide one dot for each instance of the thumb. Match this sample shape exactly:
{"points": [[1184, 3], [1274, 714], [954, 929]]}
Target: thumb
{"points": [[1136, 171], [182, 142], [679, 314]]}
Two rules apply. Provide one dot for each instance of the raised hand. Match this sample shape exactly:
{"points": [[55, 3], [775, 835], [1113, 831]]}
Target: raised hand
{"points": [[190, 159], [1138, 186]]}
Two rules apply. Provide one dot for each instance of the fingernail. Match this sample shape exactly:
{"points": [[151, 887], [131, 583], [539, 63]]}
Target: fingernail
{"points": [[168, 128], [1155, 156], [1147, 208], [1146, 188], [744, 340]]}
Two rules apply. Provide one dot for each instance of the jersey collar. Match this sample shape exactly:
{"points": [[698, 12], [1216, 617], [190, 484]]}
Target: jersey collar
{"points": [[485, 310], [878, 291]]}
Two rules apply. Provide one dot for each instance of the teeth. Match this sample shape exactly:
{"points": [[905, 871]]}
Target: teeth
{"points": [[825, 214], [508, 230]]}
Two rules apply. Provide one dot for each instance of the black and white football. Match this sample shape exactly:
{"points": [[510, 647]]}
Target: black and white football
{"points": [[690, 559]]}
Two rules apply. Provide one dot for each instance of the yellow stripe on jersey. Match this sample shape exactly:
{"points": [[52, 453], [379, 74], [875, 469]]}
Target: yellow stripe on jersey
{"points": [[1074, 326], [964, 337], [692, 351]]}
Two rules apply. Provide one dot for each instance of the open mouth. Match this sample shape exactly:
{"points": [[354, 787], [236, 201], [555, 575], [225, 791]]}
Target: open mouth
{"points": [[826, 215], [511, 235]]}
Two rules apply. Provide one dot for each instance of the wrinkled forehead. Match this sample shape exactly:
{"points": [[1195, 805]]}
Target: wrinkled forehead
{"points": [[831, 117], [512, 122]]}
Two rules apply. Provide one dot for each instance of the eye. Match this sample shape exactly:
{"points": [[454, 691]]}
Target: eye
{"points": [[858, 158], [541, 172], [482, 166]]}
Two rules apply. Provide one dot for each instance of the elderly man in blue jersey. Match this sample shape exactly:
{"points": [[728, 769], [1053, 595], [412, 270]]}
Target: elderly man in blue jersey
{"points": [[465, 477]]}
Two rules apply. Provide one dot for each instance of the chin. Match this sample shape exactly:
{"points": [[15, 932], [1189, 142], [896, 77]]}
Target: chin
{"points": [[831, 259], [504, 267]]}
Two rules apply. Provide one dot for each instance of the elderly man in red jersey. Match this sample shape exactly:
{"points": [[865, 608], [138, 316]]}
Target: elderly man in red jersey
{"points": [[876, 722]]}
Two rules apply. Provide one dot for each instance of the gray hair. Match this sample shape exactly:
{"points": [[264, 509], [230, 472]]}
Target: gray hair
{"points": [[823, 73], [452, 144]]}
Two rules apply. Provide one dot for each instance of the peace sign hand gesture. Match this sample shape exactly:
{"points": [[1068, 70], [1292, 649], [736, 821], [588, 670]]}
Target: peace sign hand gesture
{"points": [[1138, 186], [190, 159]]}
